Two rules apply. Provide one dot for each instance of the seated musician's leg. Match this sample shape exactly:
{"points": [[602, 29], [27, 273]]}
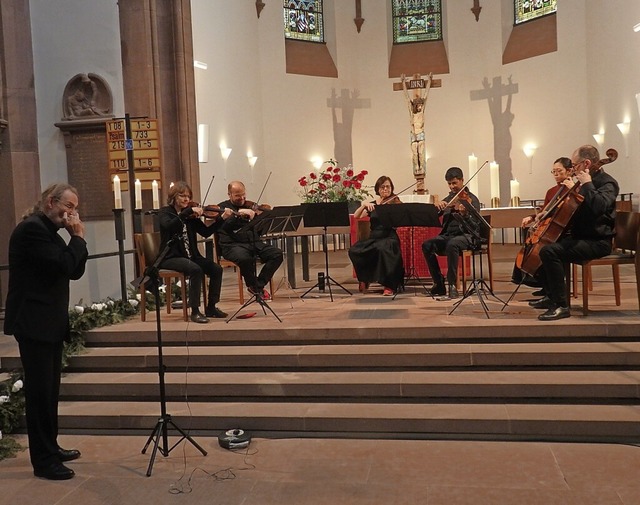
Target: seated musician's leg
{"points": [[453, 249], [245, 259], [272, 258], [195, 274], [430, 249], [553, 257]]}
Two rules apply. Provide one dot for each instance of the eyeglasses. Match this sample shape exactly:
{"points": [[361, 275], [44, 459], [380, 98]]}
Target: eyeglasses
{"points": [[386, 186], [557, 172], [67, 205], [574, 165]]}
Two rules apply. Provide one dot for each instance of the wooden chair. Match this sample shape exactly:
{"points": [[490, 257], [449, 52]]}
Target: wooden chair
{"points": [[225, 263], [485, 250], [625, 247], [147, 249]]}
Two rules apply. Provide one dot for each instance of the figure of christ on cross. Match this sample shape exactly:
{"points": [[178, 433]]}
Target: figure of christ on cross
{"points": [[416, 106]]}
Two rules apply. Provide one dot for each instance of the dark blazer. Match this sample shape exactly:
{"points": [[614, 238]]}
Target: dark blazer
{"points": [[41, 265], [171, 225]]}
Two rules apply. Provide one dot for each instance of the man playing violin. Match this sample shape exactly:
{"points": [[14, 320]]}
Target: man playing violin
{"points": [[589, 234], [243, 246], [459, 231], [180, 220]]}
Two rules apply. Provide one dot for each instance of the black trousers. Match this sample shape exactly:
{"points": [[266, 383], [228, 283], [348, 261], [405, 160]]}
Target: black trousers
{"points": [[244, 255], [566, 250], [42, 365], [451, 247], [196, 268]]}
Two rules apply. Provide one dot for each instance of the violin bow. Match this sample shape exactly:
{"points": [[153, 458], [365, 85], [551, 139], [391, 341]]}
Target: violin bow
{"points": [[207, 193], [264, 187], [395, 195]]}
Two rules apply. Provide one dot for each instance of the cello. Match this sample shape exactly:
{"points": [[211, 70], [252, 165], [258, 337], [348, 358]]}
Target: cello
{"points": [[553, 220]]}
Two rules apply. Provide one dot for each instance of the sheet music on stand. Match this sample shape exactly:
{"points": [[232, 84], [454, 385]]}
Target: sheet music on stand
{"points": [[323, 215], [284, 219], [410, 215]]}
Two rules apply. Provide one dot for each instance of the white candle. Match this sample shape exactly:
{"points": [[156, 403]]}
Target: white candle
{"points": [[138, 186], [117, 193], [494, 170], [473, 167], [515, 188], [156, 195]]}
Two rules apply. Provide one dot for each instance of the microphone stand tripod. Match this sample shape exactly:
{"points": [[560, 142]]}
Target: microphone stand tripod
{"points": [[160, 434]]}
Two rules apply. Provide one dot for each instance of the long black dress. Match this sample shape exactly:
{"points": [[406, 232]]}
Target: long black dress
{"points": [[378, 258]]}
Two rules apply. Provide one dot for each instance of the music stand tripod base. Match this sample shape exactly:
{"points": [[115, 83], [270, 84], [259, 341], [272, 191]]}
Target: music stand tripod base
{"points": [[255, 298]]}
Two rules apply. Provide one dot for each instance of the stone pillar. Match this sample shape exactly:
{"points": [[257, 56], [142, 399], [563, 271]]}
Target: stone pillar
{"points": [[19, 160], [157, 59]]}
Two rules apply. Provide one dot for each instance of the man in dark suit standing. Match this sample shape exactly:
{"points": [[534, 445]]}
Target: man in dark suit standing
{"points": [[41, 265]]}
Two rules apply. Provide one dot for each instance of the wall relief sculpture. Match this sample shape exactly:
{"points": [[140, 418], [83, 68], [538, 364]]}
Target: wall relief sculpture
{"points": [[86, 96]]}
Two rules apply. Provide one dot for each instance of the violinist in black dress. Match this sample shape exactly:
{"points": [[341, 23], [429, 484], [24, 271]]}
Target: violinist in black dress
{"points": [[378, 258]]}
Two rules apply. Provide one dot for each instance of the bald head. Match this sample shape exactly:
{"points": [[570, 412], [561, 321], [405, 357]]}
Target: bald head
{"points": [[237, 193]]}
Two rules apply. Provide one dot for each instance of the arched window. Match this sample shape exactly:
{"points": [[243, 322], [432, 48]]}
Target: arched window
{"points": [[416, 20], [303, 20], [526, 10]]}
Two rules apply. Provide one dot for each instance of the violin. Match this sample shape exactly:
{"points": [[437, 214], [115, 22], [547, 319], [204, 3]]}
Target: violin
{"points": [[209, 211], [393, 199], [258, 208]]}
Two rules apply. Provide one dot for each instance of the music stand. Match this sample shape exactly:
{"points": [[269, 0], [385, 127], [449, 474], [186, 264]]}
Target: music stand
{"points": [[479, 287], [284, 219], [326, 214], [257, 224], [151, 279], [411, 215]]}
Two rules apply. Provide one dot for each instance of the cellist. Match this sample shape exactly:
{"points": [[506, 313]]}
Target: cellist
{"points": [[588, 236]]}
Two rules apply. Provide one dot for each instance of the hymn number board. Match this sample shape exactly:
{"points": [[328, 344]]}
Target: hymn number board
{"points": [[144, 143]]}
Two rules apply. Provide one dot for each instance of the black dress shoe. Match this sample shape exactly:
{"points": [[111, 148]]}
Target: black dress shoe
{"points": [[543, 303], [68, 454], [197, 317], [55, 471], [555, 314], [216, 312], [540, 292], [438, 289]]}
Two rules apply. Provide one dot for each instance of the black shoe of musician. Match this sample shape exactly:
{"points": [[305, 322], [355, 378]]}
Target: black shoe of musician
{"points": [[555, 314], [215, 312], [540, 292], [543, 303], [197, 317], [55, 471], [68, 454], [438, 289], [453, 292]]}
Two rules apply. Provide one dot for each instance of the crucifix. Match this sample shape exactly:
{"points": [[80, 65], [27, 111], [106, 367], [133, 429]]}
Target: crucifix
{"points": [[476, 9], [416, 102], [358, 20]]}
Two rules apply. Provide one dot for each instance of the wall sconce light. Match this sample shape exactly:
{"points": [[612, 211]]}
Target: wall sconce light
{"points": [[599, 138], [225, 151], [636, 27], [252, 160], [203, 143], [529, 150], [200, 64], [624, 129], [317, 162]]}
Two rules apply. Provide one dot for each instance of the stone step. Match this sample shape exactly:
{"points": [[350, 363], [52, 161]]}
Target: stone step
{"points": [[361, 357], [571, 386], [504, 421]]}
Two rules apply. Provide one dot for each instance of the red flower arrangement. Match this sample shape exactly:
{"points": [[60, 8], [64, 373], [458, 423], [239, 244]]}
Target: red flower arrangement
{"points": [[334, 184]]}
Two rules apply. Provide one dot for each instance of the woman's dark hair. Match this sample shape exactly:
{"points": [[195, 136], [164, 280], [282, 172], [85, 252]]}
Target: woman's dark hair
{"points": [[381, 180], [565, 162]]}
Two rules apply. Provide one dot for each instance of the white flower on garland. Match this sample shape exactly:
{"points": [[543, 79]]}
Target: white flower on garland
{"points": [[134, 303], [4, 399], [17, 386], [79, 309]]}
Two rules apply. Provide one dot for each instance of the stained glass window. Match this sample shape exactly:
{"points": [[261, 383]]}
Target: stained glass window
{"points": [[416, 20], [303, 20], [526, 10]]}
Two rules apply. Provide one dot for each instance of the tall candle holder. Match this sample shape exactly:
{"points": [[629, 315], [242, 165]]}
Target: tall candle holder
{"points": [[137, 221], [515, 201], [118, 219], [495, 202]]}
